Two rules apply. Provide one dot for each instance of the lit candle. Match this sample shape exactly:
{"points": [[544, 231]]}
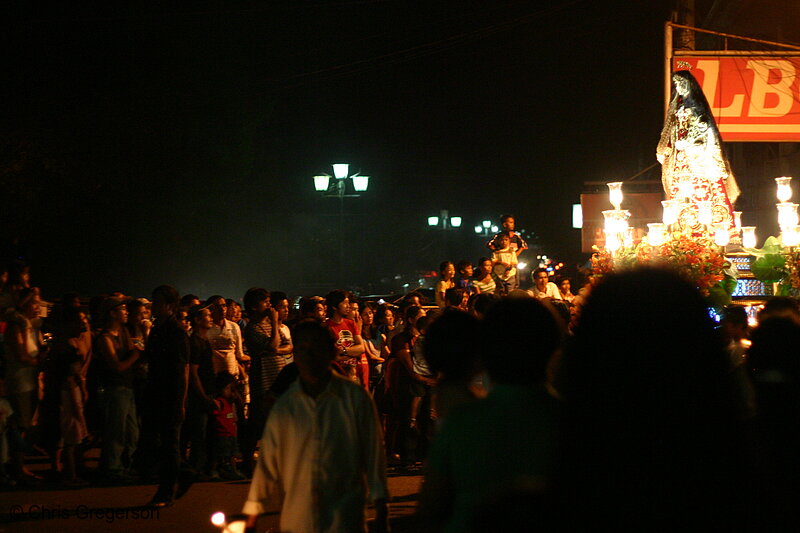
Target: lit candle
{"points": [[615, 194], [655, 233], [704, 214], [612, 242], [791, 236], [749, 236], [737, 221], [722, 234], [787, 214], [670, 212], [784, 191]]}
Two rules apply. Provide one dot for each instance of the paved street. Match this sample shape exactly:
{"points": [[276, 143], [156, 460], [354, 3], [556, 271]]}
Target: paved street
{"points": [[49, 508]]}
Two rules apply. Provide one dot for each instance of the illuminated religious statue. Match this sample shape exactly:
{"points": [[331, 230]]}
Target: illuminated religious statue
{"points": [[693, 167]]}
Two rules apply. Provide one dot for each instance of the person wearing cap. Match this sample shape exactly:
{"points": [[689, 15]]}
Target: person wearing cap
{"points": [[118, 356], [200, 401]]}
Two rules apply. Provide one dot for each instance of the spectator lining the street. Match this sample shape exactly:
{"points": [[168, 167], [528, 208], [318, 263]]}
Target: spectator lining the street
{"points": [[447, 272], [654, 429], [118, 357], [508, 437], [484, 281], [322, 447]]}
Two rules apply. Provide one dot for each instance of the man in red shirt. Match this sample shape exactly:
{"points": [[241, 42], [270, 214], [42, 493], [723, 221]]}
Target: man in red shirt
{"points": [[346, 331]]}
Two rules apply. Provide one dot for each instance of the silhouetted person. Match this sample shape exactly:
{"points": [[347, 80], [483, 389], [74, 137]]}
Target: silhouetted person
{"points": [[167, 384], [452, 349], [774, 359], [654, 432], [488, 445]]}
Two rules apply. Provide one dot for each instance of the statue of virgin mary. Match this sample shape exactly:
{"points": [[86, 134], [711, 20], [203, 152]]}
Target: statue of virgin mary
{"points": [[693, 165]]}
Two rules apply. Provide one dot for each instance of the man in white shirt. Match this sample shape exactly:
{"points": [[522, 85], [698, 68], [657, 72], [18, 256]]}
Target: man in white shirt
{"points": [[322, 448], [542, 286], [226, 340]]}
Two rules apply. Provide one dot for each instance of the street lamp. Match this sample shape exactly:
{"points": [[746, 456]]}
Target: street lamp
{"points": [[485, 227], [445, 222], [337, 188]]}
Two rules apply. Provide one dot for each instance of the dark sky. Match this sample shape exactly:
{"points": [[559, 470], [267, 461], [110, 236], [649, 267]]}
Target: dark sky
{"points": [[145, 145]]}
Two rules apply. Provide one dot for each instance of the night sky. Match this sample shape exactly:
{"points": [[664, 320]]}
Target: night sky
{"points": [[143, 145]]}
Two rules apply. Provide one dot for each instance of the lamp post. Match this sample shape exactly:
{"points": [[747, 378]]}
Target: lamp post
{"points": [[485, 228], [445, 222], [336, 187]]}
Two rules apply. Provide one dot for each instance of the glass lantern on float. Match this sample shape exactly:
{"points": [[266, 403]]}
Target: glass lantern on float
{"points": [[655, 233]]}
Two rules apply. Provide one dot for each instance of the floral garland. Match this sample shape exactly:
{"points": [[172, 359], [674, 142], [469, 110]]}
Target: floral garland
{"points": [[696, 260]]}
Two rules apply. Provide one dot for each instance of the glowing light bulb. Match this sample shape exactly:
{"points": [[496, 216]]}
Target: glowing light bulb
{"points": [[615, 194], [612, 242], [749, 236], [722, 234], [787, 214], [670, 212], [218, 519], [737, 221], [655, 233], [784, 191], [704, 214], [791, 236]]}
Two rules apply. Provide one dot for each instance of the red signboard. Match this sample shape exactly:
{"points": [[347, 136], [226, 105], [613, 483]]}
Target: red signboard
{"points": [[753, 98]]}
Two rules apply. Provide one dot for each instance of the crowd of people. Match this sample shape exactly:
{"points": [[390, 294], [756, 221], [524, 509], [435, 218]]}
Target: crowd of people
{"points": [[623, 404]]}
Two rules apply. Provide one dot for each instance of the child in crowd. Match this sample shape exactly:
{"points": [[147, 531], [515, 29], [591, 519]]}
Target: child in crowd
{"points": [[504, 261], [465, 273], [225, 445], [73, 423]]}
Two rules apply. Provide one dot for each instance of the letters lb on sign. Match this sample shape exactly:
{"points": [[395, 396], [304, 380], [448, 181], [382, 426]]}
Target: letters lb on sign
{"points": [[753, 98]]}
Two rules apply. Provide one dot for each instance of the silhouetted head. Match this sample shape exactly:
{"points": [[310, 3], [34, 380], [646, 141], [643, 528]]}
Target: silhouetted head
{"points": [[519, 336], [452, 344]]}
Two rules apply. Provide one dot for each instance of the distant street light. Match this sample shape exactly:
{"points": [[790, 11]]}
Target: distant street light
{"points": [[445, 221], [484, 228], [337, 188]]}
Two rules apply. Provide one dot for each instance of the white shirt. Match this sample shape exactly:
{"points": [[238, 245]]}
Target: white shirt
{"points": [[551, 291], [323, 456], [226, 343]]}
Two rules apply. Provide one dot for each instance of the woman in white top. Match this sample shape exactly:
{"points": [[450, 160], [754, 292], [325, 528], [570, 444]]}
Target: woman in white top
{"points": [[447, 272]]}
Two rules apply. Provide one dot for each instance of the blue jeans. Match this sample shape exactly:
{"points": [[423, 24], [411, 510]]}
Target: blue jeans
{"points": [[120, 427]]}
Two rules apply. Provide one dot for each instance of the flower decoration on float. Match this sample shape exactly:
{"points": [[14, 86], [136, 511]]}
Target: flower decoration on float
{"points": [[697, 250], [698, 258]]}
